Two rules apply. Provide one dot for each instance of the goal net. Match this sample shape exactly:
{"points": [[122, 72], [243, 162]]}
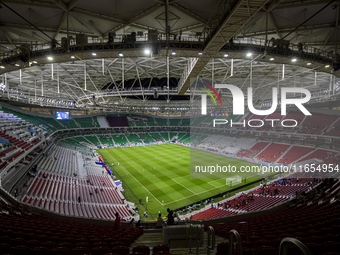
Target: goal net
{"points": [[232, 181]]}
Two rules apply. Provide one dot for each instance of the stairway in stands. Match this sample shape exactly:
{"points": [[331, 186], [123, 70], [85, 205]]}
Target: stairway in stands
{"points": [[153, 237]]}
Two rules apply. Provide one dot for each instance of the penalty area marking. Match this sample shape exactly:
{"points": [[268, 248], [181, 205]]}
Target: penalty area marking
{"points": [[183, 185], [193, 195], [210, 183], [137, 180], [181, 177]]}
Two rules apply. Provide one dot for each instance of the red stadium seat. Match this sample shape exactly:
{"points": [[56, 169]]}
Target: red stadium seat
{"points": [[49, 244], [261, 242], [40, 251], [6, 240], [265, 250], [161, 253], [331, 247], [66, 245], [121, 250], [33, 243], [18, 241], [21, 250], [222, 248], [60, 251], [115, 244], [83, 244], [5, 248], [100, 250], [142, 248], [80, 251], [315, 239], [124, 240], [137, 253], [100, 244], [158, 248], [246, 251]]}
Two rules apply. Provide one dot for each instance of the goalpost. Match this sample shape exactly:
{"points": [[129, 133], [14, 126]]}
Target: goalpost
{"points": [[232, 181]]}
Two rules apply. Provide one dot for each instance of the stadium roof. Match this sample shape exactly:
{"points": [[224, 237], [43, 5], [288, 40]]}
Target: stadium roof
{"points": [[118, 53]]}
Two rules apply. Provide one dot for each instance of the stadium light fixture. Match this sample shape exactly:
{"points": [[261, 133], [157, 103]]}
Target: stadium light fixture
{"points": [[200, 53], [294, 60], [94, 54], [327, 66], [2, 67], [226, 55], [120, 54], [49, 58], [72, 56], [34, 62], [147, 51], [17, 65], [173, 53], [249, 54], [309, 63], [272, 59]]}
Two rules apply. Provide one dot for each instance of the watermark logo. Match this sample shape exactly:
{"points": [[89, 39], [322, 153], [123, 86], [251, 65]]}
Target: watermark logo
{"points": [[204, 98], [238, 99]]}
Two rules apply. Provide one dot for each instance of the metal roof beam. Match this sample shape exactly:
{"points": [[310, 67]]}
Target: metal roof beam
{"points": [[27, 36], [72, 4], [286, 30], [140, 15], [236, 16], [189, 13], [275, 25], [60, 24], [46, 30], [295, 4]]}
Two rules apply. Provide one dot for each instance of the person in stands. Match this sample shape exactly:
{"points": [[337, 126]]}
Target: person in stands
{"points": [[117, 221], [171, 220], [160, 221]]}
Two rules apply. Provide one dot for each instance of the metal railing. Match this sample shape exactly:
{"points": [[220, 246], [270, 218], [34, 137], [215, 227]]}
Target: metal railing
{"points": [[288, 241], [190, 231], [211, 240], [199, 241], [233, 233], [119, 44]]}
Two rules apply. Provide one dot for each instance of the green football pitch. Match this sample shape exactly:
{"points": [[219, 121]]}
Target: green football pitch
{"points": [[162, 173]]}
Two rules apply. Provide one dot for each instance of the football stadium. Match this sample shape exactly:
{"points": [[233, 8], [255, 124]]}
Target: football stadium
{"points": [[169, 127]]}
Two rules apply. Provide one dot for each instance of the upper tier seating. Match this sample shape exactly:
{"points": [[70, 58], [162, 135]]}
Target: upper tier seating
{"points": [[254, 150], [257, 199], [319, 154], [273, 152], [36, 234], [98, 196], [294, 153], [317, 123], [334, 130], [87, 122], [320, 234]]}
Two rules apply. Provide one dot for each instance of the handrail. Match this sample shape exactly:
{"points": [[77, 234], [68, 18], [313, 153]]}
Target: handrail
{"points": [[199, 233], [190, 234], [211, 239], [286, 242], [233, 233]]}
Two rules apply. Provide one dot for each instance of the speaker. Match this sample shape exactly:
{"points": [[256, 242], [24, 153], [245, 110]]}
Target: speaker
{"points": [[155, 94], [111, 37], [64, 42], [24, 58]]}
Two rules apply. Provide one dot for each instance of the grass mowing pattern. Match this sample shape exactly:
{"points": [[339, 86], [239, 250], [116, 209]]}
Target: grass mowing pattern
{"points": [[162, 173]]}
